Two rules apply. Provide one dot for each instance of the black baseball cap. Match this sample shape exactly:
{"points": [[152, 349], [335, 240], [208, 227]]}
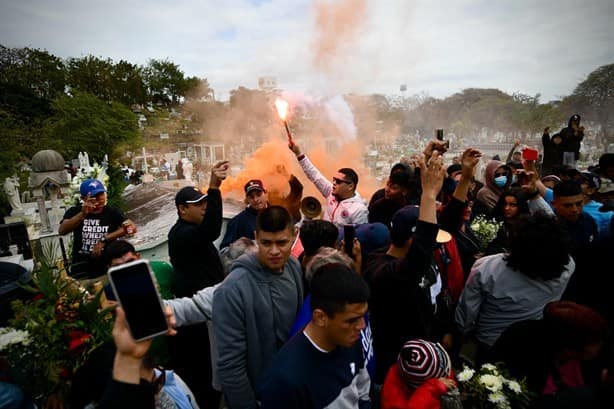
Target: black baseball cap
{"points": [[189, 195], [591, 179], [607, 206]]}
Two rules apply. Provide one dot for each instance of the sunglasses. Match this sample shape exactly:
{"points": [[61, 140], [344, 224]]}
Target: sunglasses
{"points": [[500, 174], [340, 181]]}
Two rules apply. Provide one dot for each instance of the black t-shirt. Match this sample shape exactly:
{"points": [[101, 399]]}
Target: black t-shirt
{"points": [[93, 228]]}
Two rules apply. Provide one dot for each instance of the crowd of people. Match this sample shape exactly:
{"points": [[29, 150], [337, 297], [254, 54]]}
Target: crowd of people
{"points": [[284, 315]]}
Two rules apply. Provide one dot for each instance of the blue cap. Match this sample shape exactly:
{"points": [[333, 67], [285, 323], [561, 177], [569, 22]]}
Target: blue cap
{"points": [[403, 225], [372, 236], [91, 187]]}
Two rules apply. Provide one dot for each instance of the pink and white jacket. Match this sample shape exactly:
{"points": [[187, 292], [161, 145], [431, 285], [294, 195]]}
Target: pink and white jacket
{"points": [[352, 210]]}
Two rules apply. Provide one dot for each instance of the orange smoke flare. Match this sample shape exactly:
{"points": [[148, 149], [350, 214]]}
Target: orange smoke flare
{"points": [[282, 108], [282, 111]]}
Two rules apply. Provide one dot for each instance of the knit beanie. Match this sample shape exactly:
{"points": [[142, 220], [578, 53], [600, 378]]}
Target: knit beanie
{"points": [[421, 360]]}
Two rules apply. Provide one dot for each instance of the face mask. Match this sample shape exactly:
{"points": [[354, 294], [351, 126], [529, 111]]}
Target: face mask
{"points": [[501, 181], [514, 179]]}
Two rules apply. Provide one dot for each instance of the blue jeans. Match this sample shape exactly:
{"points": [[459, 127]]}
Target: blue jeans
{"points": [[11, 397]]}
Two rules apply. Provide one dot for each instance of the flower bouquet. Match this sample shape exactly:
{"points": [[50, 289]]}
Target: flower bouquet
{"points": [[485, 230], [491, 388], [96, 172], [53, 333]]}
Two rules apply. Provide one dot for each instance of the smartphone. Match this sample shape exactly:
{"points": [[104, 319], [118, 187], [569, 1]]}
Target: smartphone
{"points": [[136, 290], [439, 134], [349, 232], [529, 154]]}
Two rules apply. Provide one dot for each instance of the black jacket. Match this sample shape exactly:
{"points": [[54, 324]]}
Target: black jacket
{"points": [[553, 154], [195, 259], [382, 210], [400, 309], [120, 395], [571, 139]]}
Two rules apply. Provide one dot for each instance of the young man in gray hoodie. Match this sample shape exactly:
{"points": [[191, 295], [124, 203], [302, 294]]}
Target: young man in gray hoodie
{"points": [[255, 307]]}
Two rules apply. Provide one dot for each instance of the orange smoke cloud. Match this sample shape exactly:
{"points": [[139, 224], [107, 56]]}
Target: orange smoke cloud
{"points": [[337, 25], [332, 132], [274, 163]]}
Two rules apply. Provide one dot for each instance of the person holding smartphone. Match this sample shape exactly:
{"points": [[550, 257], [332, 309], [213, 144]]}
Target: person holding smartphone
{"points": [[93, 224], [401, 304], [126, 389]]}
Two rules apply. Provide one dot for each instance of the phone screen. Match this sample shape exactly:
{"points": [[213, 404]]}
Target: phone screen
{"points": [[349, 232], [135, 289]]}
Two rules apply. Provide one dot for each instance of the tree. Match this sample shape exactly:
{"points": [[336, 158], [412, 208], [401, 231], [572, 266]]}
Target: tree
{"points": [[92, 75], [251, 103], [127, 83], [29, 80], [166, 81], [35, 70], [199, 89], [596, 95], [84, 122]]}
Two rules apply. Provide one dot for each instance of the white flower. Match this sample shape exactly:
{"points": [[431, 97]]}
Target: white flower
{"points": [[514, 386], [491, 382], [465, 374], [499, 399], [10, 336], [491, 369]]}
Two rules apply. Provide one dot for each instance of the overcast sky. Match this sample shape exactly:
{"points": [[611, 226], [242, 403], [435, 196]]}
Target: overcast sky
{"points": [[332, 47]]}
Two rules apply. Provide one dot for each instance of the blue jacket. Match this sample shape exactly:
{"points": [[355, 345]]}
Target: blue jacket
{"points": [[242, 225], [603, 219]]}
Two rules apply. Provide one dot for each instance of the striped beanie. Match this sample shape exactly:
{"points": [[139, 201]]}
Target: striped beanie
{"points": [[420, 360]]}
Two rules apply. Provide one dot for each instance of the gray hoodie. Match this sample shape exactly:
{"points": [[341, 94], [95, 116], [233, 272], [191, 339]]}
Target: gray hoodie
{"points": [[253, 312]]}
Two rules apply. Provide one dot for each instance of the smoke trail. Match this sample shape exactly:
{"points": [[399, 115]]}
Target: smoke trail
{"points": [[337, 26], [340, 113]]}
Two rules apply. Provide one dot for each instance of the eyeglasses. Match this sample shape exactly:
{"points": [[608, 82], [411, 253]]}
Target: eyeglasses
{"points": [[340, 181]]}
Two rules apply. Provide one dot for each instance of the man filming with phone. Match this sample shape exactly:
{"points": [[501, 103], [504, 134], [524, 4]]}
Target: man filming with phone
{"points": [[126, 389], [93, 224]]}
